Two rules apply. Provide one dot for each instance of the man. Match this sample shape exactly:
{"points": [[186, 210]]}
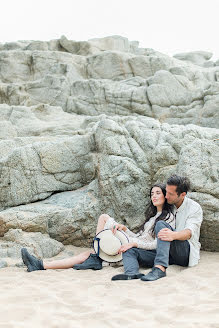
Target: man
{"points": [[180, 246]]}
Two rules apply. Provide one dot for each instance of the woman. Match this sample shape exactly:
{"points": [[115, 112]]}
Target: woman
{"points": [[158, 209]]}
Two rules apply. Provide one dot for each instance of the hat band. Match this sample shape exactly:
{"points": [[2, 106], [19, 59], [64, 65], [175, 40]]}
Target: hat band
{"points": [[98, 244]]}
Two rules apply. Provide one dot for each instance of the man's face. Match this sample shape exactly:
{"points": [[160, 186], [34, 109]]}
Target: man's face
{"points": [[172, 196]]}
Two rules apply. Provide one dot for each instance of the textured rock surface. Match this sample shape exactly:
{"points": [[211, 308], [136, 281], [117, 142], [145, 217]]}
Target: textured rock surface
{"points": [[87, 127], [200, 58], [3, 264], [34, 171], [40, 244]]}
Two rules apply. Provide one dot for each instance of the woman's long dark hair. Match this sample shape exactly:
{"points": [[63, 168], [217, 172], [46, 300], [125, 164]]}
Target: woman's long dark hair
{"points": [[151, 210]]}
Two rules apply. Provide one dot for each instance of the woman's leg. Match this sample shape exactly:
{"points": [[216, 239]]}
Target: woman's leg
{"points": [[68, 262], [101, 222], [78, 259]]}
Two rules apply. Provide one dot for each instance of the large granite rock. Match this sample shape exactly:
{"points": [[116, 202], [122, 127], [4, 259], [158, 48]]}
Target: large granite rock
{"points": [[40, 244], [200, 58], [69, 217], [94, 46], [36, 170], [129, 155], [87, 127], [111, 82]]}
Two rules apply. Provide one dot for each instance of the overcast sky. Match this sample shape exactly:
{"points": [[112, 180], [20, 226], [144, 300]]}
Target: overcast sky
{"points": [[169, 26]]}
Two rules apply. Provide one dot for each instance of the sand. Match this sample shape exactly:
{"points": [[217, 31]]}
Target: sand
{"points": [[187, 297]]}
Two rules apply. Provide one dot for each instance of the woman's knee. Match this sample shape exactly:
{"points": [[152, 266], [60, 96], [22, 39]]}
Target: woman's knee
{"points": [[103, 218], [130, 251], [160, 225]]}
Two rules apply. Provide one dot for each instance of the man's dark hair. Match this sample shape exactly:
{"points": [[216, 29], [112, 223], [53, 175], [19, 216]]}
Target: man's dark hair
{"points": [[182, 183]]}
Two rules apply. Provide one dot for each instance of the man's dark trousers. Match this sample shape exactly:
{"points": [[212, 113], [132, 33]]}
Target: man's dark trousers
{"points": [[174, 252]]}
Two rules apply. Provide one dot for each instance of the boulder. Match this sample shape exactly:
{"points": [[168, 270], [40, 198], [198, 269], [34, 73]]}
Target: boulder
{"points": [[86, 127], [97, 45], [69, 217], [39, 244], [3, 264], [196, 57], [36, 170]]}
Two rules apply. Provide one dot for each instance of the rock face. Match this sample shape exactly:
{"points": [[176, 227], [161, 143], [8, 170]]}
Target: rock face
{"points": [[42, 245], [200, 58], [87, 127]]}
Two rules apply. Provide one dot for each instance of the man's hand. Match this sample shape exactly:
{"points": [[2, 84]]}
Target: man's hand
{"points": [[118, 227], [124, 248], [166, 234]]}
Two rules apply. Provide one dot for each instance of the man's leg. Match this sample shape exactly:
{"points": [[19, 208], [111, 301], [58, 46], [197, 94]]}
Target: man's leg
{"points": [[179, 252], [163, 247], [131, 260], [161, 261], [176, 251], [135, 256]]}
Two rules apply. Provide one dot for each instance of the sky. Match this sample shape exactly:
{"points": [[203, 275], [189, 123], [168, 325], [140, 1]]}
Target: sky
{"points": [[168, 26]]}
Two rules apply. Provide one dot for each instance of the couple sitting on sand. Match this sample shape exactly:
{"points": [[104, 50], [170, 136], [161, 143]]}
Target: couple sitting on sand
{"points": [[170, 235]]}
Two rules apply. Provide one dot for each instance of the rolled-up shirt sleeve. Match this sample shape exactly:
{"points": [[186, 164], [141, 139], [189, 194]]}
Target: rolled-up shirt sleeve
{"points": [[141, 241], [130, 233], [144, 242]]}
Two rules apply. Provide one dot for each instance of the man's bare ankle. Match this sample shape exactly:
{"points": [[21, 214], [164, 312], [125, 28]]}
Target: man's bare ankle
{"points": [[160, 267]]}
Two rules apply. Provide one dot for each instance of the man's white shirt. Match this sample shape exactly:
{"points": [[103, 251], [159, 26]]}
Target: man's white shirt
{"points": [[189, 216]]}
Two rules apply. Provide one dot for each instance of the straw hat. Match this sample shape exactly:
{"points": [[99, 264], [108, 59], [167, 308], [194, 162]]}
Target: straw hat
{"points": [[106, 244]]}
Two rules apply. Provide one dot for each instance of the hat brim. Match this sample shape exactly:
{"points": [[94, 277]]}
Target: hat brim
{"points": [[110, 258]]}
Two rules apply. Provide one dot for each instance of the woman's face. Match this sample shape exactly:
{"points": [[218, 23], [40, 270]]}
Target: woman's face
{"points": [[157, 197]]}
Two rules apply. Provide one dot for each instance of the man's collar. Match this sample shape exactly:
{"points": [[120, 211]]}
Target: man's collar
{"points": [[182, 206]]}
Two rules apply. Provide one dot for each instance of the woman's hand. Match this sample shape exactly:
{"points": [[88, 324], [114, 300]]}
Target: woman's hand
{"points": [[118, 227], [124, 248]]}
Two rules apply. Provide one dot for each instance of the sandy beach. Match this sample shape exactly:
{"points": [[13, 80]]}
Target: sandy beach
{"points": [[187, 297]]}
